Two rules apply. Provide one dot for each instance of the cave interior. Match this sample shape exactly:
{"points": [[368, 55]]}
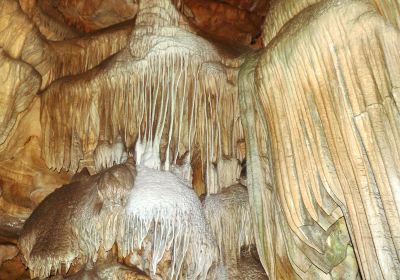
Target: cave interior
{"points": [[200, 139]]}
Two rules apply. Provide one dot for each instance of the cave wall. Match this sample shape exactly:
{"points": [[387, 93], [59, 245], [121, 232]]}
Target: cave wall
{"points": [[324, 93]]}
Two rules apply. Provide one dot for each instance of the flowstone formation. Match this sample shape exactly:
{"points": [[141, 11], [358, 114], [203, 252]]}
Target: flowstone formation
{"points": [[153, 148], [326, 121], [65, 229], [124, 208]]}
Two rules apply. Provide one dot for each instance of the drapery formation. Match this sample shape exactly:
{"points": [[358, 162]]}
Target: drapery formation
{"points": [[325, 108], [169, 91], [318, 109]]}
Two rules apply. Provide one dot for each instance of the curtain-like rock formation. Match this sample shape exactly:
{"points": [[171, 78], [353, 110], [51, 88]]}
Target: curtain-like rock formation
{"points": [[167, 86], [323, 99], [311, 130]]}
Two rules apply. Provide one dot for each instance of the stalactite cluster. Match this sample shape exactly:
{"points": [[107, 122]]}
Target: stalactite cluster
{"points": [[199, 158], [228, 213], [167, 86]]}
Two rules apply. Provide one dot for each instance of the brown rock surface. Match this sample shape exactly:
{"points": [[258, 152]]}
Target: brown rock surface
{"points": [[13, 269], [21, 39], [47, 19], [231, 20], [90, 15], [24, 177], [234, 21]]}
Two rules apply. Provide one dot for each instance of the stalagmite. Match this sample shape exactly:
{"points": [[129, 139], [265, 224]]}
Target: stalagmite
{"points": [[119, 207], [64, 229], [162, 204]]}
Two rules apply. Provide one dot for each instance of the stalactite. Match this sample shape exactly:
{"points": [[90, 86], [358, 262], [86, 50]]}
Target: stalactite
{"points": [[228, 214], [107, 155], [172, 80]]}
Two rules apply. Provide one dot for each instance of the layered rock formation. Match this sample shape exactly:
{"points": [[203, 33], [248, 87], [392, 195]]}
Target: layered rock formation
{"points": [[322, 97], [291, 148]]}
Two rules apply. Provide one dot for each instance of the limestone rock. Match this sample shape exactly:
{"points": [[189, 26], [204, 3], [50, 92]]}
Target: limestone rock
{"points": [[90, 15], [322, 109]]}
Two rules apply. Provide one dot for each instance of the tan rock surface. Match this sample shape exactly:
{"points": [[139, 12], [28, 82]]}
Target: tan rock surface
{"points": [[22, 40], [325, 93]]}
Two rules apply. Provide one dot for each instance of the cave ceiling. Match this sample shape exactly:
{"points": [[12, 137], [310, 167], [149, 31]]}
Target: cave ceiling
{"points": [[231, 20]]}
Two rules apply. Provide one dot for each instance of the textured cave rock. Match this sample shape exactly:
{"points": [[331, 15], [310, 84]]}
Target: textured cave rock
{"points": [[20, 82], [25, 179], [167, 88], [47, 19], [65, 229], [105, 271], [310, 128], [228, 214], [326, 119], [235, 21], [90, 15], [151, 214], [281, 12], [22, 40]]}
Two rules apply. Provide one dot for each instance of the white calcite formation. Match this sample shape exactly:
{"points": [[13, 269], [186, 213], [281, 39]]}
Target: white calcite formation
{"points": [[117, 206], [161, 203], [107, 155]]}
